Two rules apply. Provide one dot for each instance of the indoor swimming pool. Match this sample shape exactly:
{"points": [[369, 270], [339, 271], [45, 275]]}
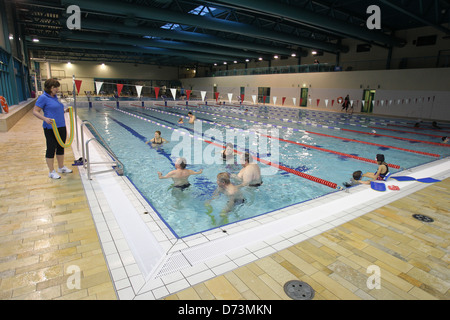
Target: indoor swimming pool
{"points": [[302, 154]]}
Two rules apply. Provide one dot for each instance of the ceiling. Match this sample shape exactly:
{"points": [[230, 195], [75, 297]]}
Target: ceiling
{"points": [[183, 33]]}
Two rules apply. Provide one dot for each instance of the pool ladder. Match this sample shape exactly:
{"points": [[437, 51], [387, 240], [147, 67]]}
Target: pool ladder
{"points": [[117, 166]]}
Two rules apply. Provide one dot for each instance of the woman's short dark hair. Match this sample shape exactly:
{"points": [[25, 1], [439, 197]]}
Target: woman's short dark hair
{"points": [[380, 157], [49, 83], [357, 175]]}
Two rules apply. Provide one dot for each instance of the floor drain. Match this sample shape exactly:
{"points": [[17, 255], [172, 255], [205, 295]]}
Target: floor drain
{"points": [[422, 217], [298, 290]]}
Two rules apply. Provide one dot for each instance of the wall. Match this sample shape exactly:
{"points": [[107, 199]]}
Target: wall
{"points": [[87, 71], [430, 87]]}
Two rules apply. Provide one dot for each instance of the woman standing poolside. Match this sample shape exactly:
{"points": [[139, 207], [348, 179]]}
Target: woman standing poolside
{"points": [[53, 110]]}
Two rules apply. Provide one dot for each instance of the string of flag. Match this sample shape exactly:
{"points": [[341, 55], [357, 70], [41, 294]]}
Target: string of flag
{"points": [[327, 102]]}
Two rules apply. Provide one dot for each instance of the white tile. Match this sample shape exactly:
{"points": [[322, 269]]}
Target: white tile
{"points": [[160, 292], [121, 284], [125, 294], [177, 286], [132, 270], [114, 261], [119, 274], [224, 268], [200, 277], [245, 259]]}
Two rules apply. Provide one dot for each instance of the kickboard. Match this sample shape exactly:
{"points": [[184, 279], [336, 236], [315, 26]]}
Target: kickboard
{"points": [[377, 186]]}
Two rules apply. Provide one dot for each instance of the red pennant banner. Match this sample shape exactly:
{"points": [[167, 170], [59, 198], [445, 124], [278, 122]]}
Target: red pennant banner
{"points": [[188, 94], [301, 101], [119, 88], [242, 97], [332, 102], [283, 100], [318, 100], [217, 96], [156, 92], [264, 99], [78, 85]]}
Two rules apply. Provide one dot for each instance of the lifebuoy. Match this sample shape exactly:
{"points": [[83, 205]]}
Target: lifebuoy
{"points": [[340, 100], [4, 104]]}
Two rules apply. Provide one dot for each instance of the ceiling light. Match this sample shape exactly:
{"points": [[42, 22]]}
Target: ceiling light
{"points": [[260, 59], [234, 61], [314, 52], [275, 57], [225, 62], [215, 64], [293, 55], [11, 37], [35, 40], [247, 60]]}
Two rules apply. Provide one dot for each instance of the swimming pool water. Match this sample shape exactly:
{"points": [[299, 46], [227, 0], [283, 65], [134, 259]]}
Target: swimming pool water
{"points": [[126, 130]]}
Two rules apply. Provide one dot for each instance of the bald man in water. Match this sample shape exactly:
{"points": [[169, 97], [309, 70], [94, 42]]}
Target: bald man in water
{"points": [[180, 175], [250, 174]]}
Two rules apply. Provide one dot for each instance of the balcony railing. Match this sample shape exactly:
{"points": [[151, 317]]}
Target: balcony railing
{"points": [[441, 61]]}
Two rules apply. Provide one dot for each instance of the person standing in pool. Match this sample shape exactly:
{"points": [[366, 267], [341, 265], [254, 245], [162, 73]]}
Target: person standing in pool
{"points": [[250, 174], [382, 170], [180, 175], [192, 118], [234, 194], [157, 139]]}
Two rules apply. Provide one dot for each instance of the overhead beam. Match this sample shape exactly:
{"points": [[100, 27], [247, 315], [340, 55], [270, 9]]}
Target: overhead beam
{"points": [[117, 8], [315, 20], [186, 36], [416, 17]]}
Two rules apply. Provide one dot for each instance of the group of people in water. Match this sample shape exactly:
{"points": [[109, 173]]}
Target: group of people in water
{"points": [[248, 176]]}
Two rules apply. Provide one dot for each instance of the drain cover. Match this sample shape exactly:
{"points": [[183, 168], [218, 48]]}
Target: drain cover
{"points": [[422, 217], [298, 290]]}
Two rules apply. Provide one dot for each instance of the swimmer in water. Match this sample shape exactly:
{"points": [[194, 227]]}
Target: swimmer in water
{"points": [[192, 118], [234, 194], [180, 175], [157, 139]]}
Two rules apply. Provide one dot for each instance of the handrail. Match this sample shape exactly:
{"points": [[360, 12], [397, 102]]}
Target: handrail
{"points": [[116, 164]]}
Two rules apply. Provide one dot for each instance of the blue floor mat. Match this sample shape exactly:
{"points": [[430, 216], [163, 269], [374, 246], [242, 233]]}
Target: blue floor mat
{"points": [[403, 178], [428, 180]]}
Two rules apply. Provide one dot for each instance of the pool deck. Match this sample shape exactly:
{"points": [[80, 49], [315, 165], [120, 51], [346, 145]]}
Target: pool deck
{"points": [[48, 226]]}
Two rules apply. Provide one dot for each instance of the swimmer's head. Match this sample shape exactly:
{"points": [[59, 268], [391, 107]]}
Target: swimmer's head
{"points": [[229, 145], [181, 162], [223, 178], [246, 157], [380, 157], [157, 133], [357, 175], [444, 139]]}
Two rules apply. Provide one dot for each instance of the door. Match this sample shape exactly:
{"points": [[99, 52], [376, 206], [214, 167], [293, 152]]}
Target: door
{"points": [[263, 94], [368, 98], [304, 97]]}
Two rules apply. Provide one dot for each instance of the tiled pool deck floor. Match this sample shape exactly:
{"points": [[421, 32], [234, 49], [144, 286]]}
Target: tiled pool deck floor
{"points": [[104, 228]]}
